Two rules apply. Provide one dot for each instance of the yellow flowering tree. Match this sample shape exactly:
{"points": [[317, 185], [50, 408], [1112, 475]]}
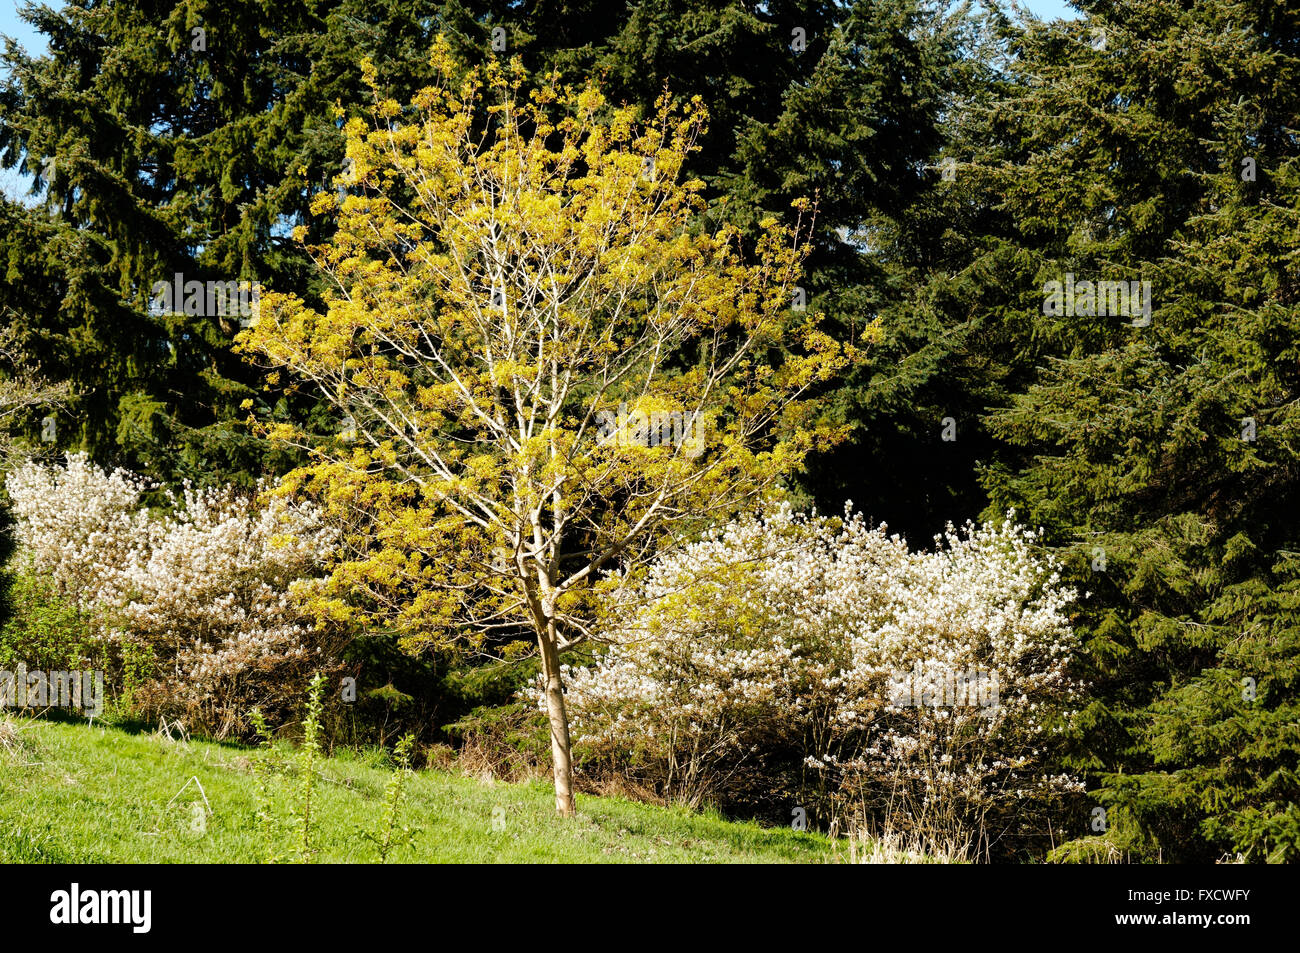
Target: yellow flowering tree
{"points": [[548, 369]]}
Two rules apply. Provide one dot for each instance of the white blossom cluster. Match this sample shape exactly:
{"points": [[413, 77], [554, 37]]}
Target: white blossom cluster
{"points": [[792, 633], [204, 588]]}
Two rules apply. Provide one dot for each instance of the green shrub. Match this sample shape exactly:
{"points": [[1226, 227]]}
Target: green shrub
{"points": [[41, 629]]}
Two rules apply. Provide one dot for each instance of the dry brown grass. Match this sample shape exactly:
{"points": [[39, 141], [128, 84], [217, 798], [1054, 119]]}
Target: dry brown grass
{"points": [[891, 846], [12, 743], [480, 758], [8, 735]]}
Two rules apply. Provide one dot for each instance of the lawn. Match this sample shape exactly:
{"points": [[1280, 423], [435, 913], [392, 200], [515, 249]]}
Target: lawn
{"points": [[70, 793]]}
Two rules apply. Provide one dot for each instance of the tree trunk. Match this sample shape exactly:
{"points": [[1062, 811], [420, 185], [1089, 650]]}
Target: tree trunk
{"points": [[561, 757]]}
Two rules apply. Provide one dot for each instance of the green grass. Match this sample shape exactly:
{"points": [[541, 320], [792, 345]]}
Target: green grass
{"points": [[70, 793]]}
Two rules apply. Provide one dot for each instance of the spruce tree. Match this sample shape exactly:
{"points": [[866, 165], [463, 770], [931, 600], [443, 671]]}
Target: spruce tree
{"points": [[1160, 450], [171, 138]]}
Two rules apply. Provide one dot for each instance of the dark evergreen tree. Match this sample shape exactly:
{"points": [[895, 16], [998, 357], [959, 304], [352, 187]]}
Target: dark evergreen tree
{"points": [[1160, 146], [175, 138]]}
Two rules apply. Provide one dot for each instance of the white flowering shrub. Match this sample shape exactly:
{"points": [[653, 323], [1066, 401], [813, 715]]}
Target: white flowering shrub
{"points": [[198, 600], [815, 661]]}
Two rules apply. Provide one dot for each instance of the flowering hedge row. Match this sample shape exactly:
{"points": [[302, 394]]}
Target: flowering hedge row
{"points": [[816, 661], [197, 602]]}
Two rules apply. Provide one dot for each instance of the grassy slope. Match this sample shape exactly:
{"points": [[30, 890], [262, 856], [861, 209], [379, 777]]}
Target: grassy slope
{"points": [[76, 794]]}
